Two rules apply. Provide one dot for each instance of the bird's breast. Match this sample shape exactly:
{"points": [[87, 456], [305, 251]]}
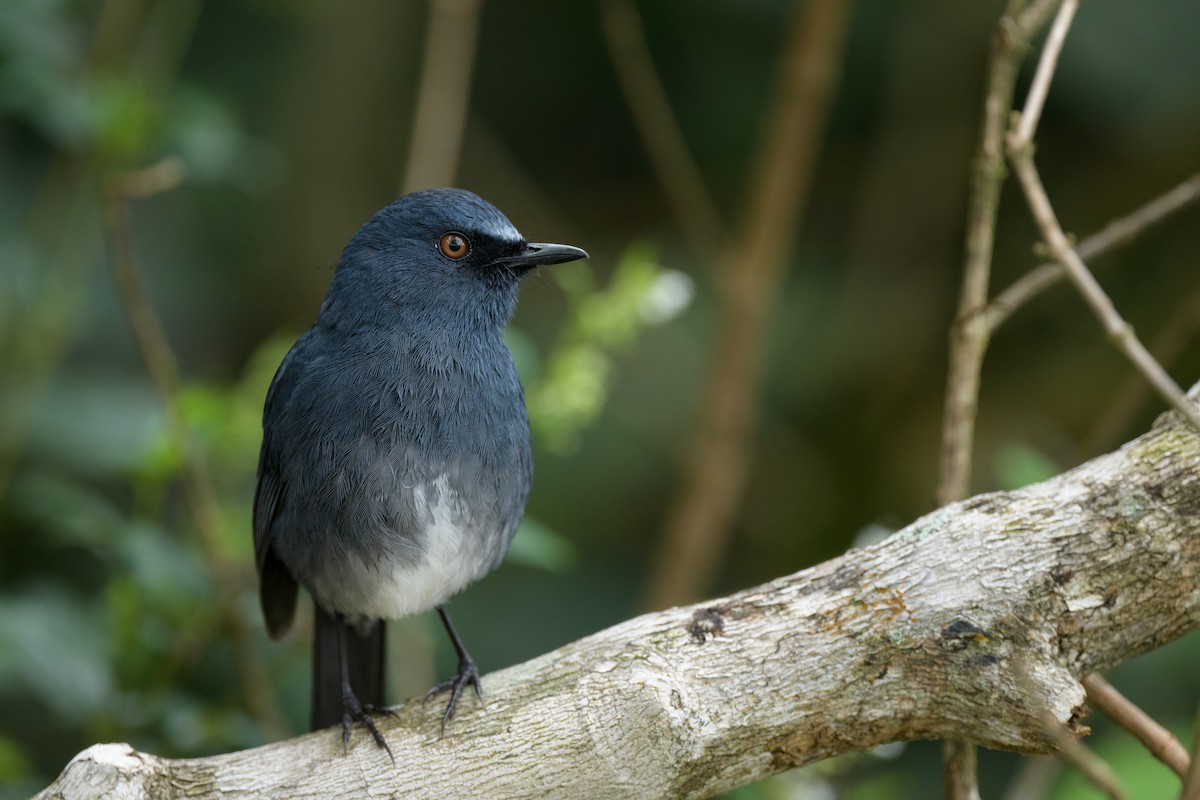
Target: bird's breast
{"points": [[408, 481], [448, 547]]}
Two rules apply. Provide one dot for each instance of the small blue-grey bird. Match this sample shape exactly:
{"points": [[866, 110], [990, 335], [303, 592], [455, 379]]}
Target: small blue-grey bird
{"points": [[395, 461]]}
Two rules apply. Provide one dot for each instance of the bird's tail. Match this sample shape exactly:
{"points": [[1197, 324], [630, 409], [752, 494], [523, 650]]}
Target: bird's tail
{"points": [[364, 661]]}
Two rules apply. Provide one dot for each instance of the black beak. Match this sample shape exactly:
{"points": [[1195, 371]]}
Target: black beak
{"points": [[534, 253]]}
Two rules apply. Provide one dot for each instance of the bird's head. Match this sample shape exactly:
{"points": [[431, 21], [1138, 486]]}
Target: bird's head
{"points": [[445, 252]]}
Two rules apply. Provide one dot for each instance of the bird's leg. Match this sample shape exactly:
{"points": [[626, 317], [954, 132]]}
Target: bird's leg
{"points": [[468, 673], [352, 710]]}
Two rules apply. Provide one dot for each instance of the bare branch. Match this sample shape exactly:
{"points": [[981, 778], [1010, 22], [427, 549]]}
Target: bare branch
{"points": [[700, 516], [1034, 778], [161, 176], [1126, 399], [960, 770], [198, 488], [691, 202], [1119, 331], [147, 328], [1045, 71], [1191, 784], [1090, 765], [1113, 235], [1020, 153], [931, 633], [441, 112], [1161, 743], [969, 335]]}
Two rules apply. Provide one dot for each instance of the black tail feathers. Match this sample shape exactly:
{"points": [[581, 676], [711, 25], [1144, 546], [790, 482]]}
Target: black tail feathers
{"points": [[364, 661]]}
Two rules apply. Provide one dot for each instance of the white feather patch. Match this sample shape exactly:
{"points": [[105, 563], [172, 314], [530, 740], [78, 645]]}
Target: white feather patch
{"points": [[452, 559]]}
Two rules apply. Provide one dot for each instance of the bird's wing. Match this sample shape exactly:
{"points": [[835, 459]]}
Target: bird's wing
{"points": [[277, 587]]}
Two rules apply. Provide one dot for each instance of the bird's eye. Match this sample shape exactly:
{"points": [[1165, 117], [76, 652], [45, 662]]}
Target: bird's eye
{"points": [[454, 245]]}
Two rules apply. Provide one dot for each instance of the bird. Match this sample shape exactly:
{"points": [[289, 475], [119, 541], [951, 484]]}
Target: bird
{"points": [[396, 459]]}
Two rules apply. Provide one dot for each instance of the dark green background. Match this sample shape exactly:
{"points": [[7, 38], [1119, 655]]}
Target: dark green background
{"points": [[293, 121]]}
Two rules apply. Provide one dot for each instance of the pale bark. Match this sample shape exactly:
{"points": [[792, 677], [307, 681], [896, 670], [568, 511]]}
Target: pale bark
{"points": [[976, 621]]}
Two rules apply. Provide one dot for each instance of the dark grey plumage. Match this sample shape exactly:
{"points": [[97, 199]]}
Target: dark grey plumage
{"points": [[396, 461]]}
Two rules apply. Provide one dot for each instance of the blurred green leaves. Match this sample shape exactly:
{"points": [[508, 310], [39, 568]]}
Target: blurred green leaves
{"points": [[45, 80], [568, 388], [127, 123], [1018, 464], [40, 58], [539, 547], [55, 649], [572, 387]]}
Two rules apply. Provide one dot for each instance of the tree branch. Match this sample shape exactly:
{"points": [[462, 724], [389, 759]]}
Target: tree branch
{"points": [[1113, 235], [1161, 743], [443, 95], [1091, 766], [974, 622], [1191, 784], [1119, 331], [969, 335], [195, 477], [693, 206], [1040, 87]]}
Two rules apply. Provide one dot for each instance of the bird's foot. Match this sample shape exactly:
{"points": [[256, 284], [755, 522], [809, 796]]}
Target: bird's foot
{"points": [[354, 711], [468, 675]]}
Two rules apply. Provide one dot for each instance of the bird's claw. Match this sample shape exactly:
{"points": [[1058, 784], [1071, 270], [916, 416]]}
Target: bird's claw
{"points": [[354, 711], [468, 675]]}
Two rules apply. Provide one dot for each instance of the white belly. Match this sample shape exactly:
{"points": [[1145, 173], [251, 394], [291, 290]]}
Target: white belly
{"points": [[455, 554]]}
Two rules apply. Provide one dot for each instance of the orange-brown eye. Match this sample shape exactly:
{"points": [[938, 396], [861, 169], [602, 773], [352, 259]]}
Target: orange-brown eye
{"points": [[454, 245]]}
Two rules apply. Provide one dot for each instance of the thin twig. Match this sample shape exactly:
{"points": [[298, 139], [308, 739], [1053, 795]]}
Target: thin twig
{"points": [[1035, 776], [1119, 232], [1036, 98], [1119, 331], [1066, 737], [1020, 153], [443, 95], [161, 176], [148, 332], [665, 145], [1161, 743], [960, 770], [1191, 784], [701, 515], [1094, 768], [969, 335], [202, 500], [1168, 346], [1031, 20]]}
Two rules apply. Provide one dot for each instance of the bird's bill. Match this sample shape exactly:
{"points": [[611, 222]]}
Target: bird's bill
{"points": [[535, 253]]}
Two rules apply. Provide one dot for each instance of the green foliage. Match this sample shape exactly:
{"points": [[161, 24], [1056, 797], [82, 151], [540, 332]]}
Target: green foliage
{"points": [[538, 546], [55, 649], [14, 760], [573, 386], [127, 123], [1019, 464], [39, 43]]}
